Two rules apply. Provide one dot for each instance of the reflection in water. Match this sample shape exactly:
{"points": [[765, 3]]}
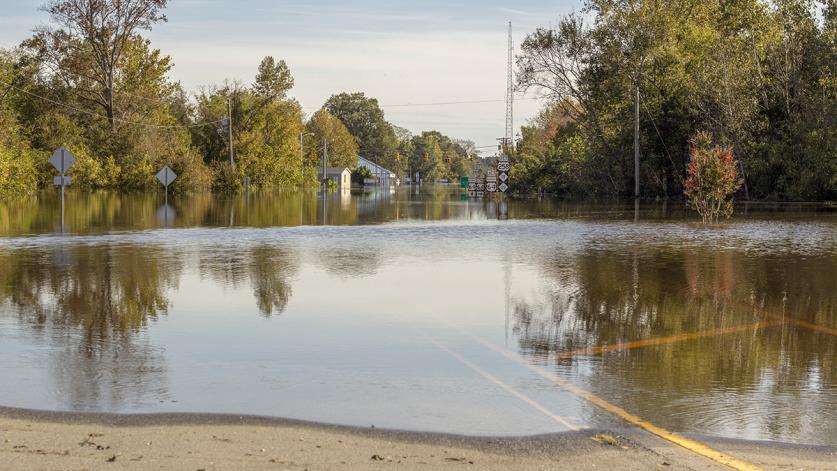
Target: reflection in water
{"points": [[130, 315], [91, 305], [773, 379], [270, 271]]}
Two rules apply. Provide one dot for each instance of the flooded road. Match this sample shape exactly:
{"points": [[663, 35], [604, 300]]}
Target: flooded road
{"points": [[423, 311]]}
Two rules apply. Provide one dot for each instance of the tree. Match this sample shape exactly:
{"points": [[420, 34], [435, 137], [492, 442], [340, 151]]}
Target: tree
{"points": [[342, 147], [87, 43], [712, 179], [365, 121], [273, 80]]}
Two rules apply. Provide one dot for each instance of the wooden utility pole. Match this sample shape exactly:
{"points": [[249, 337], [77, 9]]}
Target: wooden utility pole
{"points": [[229, 108], [325, 160], [636, 142]]}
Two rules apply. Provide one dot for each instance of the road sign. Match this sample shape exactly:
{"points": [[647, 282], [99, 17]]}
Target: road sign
{"points": [[480, 186], [463, 182], [480, 194], [491, 187], [504, 176], [503, 166], [61, 180], [472, 193], [166, 176], [503, 187], [503, 158], [62, 159]]}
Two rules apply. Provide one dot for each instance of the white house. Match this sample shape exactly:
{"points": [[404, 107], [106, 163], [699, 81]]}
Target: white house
{"points": [[341, 175], [383, 176]]}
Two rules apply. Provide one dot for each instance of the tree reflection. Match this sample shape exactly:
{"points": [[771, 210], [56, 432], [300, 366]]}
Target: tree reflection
{"points": [[775, 379], [270, 270], [91, 304], [267, 269]]}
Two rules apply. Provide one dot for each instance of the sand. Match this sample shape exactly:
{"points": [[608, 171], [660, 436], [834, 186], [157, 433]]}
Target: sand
{"points": [[50, 441]]}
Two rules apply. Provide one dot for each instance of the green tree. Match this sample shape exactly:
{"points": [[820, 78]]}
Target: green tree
{"points": [[365, 121], [86, 42], [342, 147], [273, 80]]}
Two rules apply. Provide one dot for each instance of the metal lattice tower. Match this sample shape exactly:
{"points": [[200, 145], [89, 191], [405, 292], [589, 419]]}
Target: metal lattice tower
{"points": [[510, 94]]}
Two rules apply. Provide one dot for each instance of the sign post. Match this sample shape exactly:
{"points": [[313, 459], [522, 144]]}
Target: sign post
{"points": [[503, 168], [491, 181], [62, 159], [166, 176]]}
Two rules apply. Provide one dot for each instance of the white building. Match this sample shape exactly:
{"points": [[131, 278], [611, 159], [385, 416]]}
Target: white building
{"points": [[341, 175], [384, 177]]}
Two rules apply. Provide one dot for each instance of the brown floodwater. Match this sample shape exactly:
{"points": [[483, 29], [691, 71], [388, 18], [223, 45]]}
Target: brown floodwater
{"points": [[422, 310]]}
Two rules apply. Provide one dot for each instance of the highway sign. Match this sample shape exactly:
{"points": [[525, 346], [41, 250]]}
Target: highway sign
{"points": [[463, 182], [166, 176], [61, 180], [62, 160], [480, 194], [503, 187], [504, 176], [491, 187], [503, 166], [480, 186]]}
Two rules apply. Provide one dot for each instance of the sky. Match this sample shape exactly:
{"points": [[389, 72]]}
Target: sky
{"points": [[427, 51]]}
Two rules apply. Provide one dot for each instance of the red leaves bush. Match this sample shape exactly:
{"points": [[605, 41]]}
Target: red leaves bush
{"points": [[712, 178]]}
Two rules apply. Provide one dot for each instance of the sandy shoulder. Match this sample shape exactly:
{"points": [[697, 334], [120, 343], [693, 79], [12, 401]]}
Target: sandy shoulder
{"points": [[36, 443]]}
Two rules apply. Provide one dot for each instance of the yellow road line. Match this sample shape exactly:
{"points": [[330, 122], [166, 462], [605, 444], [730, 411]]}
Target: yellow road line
{"points": [[506, 387], [691, 445], [659, 340], [807, 325]]}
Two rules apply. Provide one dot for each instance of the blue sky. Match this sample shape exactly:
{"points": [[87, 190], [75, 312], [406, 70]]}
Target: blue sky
{"points": [[400, 52]]}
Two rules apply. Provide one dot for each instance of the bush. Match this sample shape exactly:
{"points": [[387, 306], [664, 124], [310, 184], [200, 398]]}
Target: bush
{"points": [[226, 178], [359, 174], [712, 178], [18, 173]]}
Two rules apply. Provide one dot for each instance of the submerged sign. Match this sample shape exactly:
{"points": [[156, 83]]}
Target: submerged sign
{"points": [[166, 176], [62, 159]]}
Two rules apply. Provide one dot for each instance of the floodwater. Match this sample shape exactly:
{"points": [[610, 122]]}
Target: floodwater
{"points": [[423, 311]]}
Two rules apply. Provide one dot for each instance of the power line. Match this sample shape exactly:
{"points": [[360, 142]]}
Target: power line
{"points": [[441, 103], [97, 115]]}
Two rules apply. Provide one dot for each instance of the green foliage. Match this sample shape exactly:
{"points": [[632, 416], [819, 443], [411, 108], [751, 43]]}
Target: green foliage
{"points": [[760, 76], [360, 174], [273, 80], [437, 156], [365, 121], [18, 176], [342, 146]]}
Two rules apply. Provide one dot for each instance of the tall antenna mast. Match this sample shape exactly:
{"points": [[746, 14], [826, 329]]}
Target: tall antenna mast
{"points": [[510, 94]]}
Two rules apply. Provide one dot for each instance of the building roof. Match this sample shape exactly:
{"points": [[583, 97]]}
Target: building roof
{"points": [[334, 170], [374, 168]]}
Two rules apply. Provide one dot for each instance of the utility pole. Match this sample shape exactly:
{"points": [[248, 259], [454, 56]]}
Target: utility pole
{"points": [[509, 137], [325, 160], [636, 141], [229, 109]]}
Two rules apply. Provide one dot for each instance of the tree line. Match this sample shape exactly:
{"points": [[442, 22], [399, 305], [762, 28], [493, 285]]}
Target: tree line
{"points": [[759, 76], [92, 82]]}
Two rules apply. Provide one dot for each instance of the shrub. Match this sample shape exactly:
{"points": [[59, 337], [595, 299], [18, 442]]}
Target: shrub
{"points": [[712, 178], [226, 178], [359, 174], [18, 173]]}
